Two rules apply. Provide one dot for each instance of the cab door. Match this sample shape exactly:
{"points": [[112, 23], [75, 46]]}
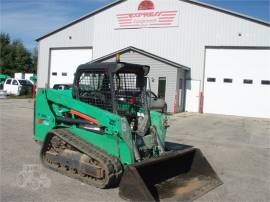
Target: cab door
{"points": [[15, 87], [7, 86]]}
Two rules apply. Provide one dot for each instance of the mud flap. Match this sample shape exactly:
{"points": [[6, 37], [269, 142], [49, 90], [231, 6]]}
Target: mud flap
{"points": [[182, 175]]}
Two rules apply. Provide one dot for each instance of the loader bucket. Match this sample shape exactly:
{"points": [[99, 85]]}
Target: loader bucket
{"points": [[181, 175]]}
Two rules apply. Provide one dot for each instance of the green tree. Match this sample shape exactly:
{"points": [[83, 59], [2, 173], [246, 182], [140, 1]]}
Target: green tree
{"points": [[4, 39], [34, 60], [14, 56], [5, 52], [22, 57]]}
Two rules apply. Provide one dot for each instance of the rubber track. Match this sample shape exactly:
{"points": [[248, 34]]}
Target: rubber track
{"points": [[110, 164]]}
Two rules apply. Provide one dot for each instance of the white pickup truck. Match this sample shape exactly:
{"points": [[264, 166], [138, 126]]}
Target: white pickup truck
{"points": [[17, 86]]}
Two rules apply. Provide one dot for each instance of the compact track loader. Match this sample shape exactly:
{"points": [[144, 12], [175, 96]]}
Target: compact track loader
{"points": [[102, 133]]}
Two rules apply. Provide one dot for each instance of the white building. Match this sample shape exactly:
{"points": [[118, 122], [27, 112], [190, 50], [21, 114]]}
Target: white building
{"points": [[23, 75], [202, 58]]}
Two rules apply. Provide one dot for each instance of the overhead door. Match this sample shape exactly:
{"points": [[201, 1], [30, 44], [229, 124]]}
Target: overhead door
{"points": [[237, 82], [64, 62]]}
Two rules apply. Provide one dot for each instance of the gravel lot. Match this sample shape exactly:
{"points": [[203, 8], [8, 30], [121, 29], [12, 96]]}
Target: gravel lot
{"points": [[238, 148]]}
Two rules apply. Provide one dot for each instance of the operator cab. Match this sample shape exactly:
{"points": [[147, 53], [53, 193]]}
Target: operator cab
{"points": [[116, 87]]}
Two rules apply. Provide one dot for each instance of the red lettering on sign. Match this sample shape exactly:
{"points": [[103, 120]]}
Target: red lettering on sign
{"points": [[147, 19]]}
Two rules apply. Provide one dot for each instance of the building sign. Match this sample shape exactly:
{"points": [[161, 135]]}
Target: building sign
{"points": [[146, 16]]}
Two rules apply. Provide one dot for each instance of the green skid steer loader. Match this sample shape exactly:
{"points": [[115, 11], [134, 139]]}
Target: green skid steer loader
{"points": [[102, 133]]}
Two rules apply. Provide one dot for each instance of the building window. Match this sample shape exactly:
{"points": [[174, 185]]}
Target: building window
{"points": [[211, 79], [64, 74], [180, 84], [161, 87], [265, 82], [54, 73], [227, 80], [248, 81]]}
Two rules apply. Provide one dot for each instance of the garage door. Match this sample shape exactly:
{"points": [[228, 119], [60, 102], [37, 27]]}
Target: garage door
{"points": [[237, 82], [64, 63]]}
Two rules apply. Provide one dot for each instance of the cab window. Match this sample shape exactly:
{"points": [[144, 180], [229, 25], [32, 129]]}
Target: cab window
{"points": [[8, 81], [14, 82]]}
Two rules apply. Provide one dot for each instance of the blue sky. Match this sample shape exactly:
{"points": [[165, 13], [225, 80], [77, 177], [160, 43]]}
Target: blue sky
{"points": [[29, 19]]}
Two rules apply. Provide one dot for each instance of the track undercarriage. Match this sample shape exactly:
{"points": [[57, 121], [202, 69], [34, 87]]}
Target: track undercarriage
{"points": [[67, 154]]}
